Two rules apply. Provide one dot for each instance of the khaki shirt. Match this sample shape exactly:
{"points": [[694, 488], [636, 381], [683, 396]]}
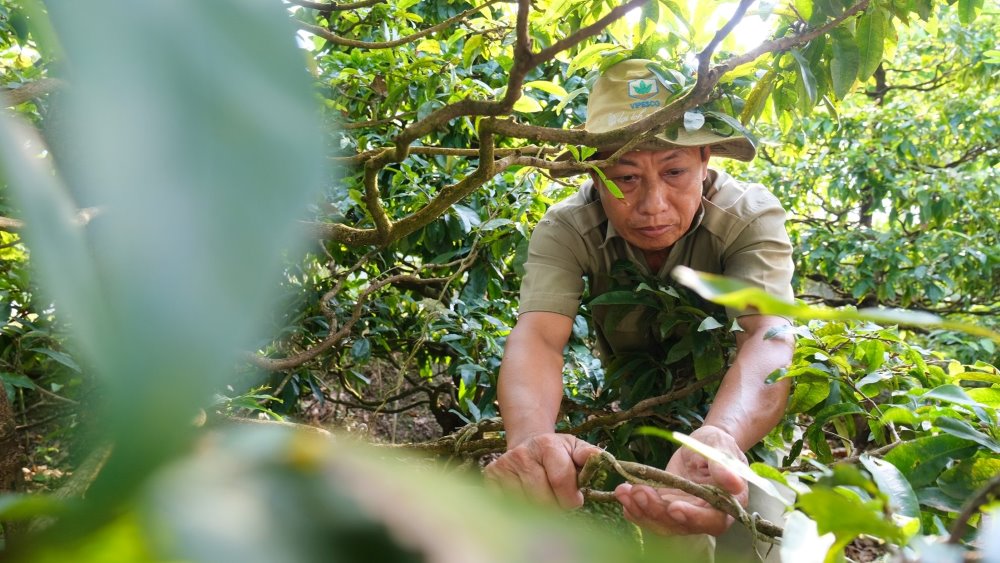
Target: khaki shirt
{"points": [[739, 231]]}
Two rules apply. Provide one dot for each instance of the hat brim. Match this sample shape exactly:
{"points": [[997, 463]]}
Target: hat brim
{"points": [[737, 147]]}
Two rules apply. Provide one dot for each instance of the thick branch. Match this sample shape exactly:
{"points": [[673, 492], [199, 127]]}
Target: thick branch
{"points": [[30, 91], [524, 62]]}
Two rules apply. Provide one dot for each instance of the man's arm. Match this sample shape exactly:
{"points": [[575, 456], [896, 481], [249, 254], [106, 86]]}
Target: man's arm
{"points": [[539, 461], [745, 409]]}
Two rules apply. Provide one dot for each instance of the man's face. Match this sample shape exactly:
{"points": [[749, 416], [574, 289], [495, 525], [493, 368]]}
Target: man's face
{"points": [[662, 190]]}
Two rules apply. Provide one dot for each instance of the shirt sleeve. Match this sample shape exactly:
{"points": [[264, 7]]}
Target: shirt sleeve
{"points": [[553, 278], [761, 253]]}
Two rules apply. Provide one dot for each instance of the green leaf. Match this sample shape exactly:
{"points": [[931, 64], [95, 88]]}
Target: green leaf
{"points": [[757, 99], [963, 429], [967, 10], [966, 478], [950, 393], [891, 483], [61, 357], [527, 104], [846, 515], [17, 380], [548, 87], [361, 350], [873, 26], [986, 396], [807, 394], [807, 80], [923, 459], [473, 46], [608, 183], [768, 472], [588, 56], [567, 99], [845, 64]]}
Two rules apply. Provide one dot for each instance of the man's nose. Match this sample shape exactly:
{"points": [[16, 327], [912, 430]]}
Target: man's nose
{"points": [[654, 199]]}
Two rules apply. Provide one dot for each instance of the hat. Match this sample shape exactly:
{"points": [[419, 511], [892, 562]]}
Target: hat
{"points": [[629, 91]]}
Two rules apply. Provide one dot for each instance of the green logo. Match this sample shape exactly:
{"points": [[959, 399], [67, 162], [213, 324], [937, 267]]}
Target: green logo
{"points": [[642, 89]]}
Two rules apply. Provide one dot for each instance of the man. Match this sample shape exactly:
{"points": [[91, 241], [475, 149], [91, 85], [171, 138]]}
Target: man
{"points": [[675, 210]]}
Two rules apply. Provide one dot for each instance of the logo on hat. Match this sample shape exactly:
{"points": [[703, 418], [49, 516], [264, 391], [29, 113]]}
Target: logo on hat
{"points": [[642, 89]]}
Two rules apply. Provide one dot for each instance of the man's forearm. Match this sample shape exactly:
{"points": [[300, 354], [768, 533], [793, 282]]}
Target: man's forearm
{"points": [[746, 406], [530, 391]]}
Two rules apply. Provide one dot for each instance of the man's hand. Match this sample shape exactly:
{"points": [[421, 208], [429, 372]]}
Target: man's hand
{"points": [[674, 512], [544, 467]]}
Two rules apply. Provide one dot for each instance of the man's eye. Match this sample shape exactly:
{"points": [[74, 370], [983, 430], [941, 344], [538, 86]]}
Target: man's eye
{"points": [[626, 179], [672, 173]]}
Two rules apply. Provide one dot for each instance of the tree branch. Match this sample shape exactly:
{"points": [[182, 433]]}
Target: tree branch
{"points": [[327, 7], [30, 91], [786, 43], [375, 45], [990, 490]]}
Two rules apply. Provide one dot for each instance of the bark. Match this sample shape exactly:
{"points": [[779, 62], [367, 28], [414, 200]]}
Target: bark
{"points": [[11, 457]]}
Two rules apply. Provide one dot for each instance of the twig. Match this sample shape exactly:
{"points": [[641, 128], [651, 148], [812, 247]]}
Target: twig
{"points": [[641, 408]]}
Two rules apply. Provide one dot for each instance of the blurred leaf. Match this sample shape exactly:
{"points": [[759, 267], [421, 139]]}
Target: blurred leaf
{"points": [[709, 323], [27, 506], [845, 515], [743, 296], [802, 542], [192, 142]]}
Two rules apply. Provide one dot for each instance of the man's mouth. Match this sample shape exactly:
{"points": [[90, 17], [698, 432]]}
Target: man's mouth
{"points": [[654, 230]]}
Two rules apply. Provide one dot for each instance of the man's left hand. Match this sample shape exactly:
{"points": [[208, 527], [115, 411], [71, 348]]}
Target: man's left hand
{"points": [[674, 512]]}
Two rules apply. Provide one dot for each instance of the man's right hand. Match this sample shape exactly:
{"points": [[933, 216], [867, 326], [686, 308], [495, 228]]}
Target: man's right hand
{"points": [[545, 467]]}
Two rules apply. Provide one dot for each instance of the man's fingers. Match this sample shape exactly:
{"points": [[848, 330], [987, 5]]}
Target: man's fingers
{"points": [[582, 451], [729, 481], [700, 519], [560, 472]]}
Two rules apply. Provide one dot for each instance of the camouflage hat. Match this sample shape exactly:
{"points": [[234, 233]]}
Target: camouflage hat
{"points": [[629, 91]]}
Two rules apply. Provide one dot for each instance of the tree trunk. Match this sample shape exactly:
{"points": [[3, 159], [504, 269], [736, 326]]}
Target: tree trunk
{"points": [[11, 457]]}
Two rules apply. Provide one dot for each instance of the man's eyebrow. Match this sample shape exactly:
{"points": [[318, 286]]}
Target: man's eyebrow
{"points": [[670, 156]]}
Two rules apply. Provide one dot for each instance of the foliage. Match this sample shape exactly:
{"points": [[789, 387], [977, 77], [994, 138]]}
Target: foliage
{"points": [[443, 119]]}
